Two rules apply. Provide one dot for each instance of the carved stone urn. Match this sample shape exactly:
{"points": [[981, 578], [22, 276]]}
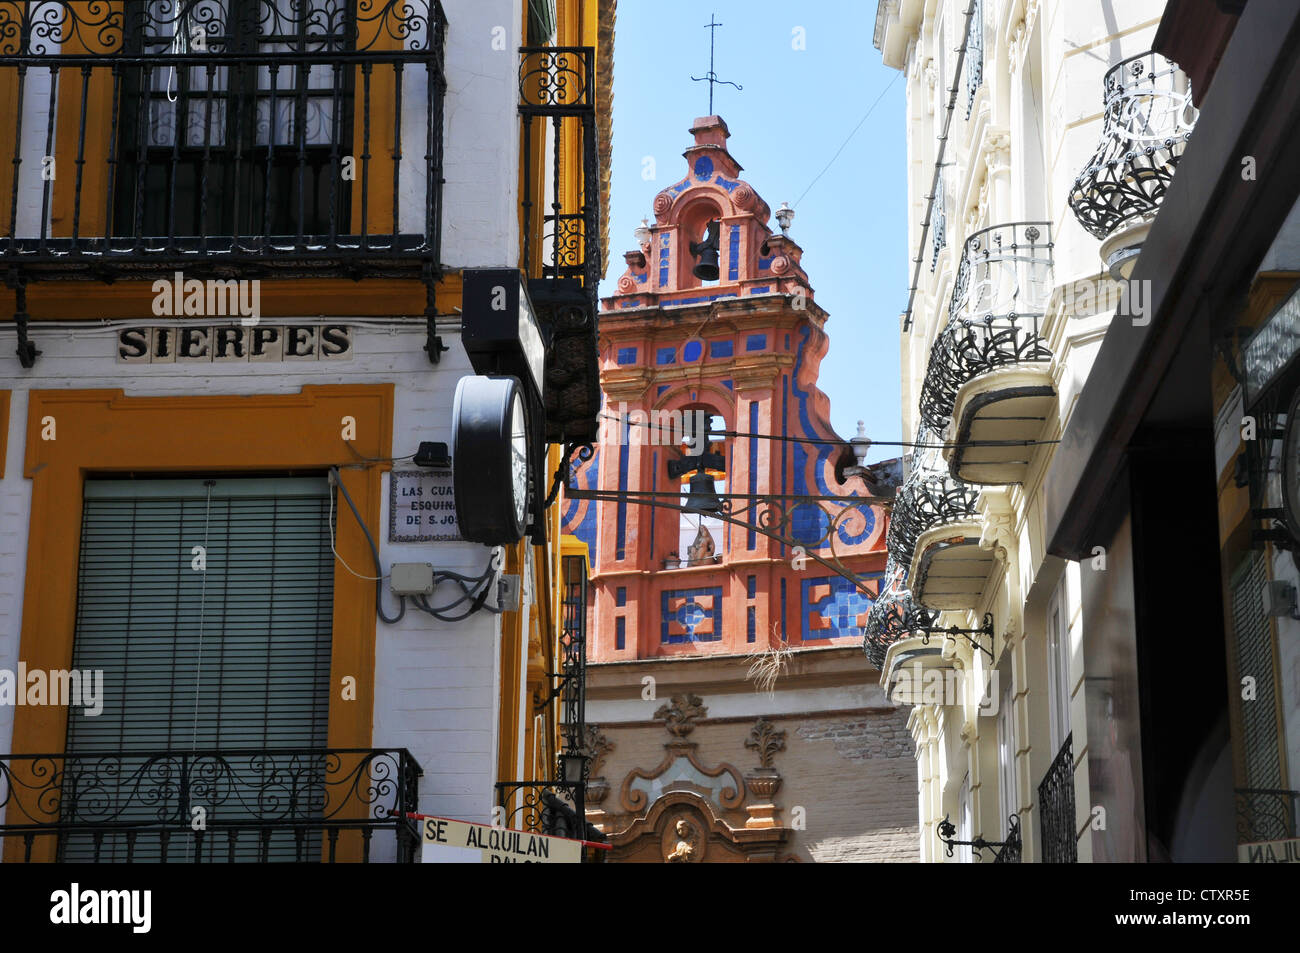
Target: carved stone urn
{"points": [[763, 783]]}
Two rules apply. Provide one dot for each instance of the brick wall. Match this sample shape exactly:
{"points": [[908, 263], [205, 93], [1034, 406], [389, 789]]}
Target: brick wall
{"points": [[852, 775]]}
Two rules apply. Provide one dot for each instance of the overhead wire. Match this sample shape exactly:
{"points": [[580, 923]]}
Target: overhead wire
{"points": [[841, 442]]}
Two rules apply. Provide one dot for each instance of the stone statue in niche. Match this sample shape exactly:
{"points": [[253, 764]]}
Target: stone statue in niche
{"points": [[701, 551], [686, 848]]}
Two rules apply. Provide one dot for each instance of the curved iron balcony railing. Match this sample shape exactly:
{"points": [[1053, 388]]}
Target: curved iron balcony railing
{"points": [[929, 497], [994, 316], [893, 616], [1147, 121], [261, 805]]}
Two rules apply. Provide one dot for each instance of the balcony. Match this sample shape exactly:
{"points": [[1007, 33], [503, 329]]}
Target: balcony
{"points": [[563, 253], [988, 388], [935, 533], [559, 807], [893, 616], [1056, 804], [1148, 117], [1267, 814], [221, 806], [222, 138]]}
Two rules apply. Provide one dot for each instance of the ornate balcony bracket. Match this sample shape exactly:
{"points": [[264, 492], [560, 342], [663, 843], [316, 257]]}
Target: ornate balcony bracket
{"points": [[972, 636], [1005, 852], [26, 350], [895, 616]]}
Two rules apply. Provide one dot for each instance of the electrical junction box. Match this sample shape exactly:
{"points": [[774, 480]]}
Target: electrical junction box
{"points": [[508, 592], [411, 579]]}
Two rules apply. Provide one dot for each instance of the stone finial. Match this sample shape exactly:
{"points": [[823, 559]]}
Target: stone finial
{"points": [[710, 131], [596, 747], [681, 713], [766, 740]]}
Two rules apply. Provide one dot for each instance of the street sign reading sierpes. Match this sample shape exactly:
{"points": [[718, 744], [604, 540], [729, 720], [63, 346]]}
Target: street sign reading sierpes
{"points": [[451, 842]]}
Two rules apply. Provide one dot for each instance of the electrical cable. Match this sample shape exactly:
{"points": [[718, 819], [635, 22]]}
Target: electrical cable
{"points": [[407, 456], [481, 586], [374, 552], [336, 552], [481, 583], [847, 139]]}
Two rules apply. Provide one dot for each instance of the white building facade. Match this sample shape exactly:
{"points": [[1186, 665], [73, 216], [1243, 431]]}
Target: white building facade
{"points": [[207, 507], [1010, 296]]}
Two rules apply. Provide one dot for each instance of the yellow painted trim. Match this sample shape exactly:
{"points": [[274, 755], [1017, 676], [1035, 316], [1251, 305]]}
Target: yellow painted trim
{"points": [[103, 431], [301, 297], [8, 107], [382, 145], [508, 713], [98, 113]]}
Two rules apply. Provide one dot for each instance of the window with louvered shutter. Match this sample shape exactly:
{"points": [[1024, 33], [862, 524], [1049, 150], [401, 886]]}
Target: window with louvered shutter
{"points": [[196, 661]]}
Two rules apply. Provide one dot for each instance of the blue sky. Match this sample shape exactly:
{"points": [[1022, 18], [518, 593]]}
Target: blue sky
{"points": [[796, 110]]}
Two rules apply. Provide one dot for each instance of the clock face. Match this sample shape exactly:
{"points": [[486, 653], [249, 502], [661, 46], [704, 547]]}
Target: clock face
{"points": [[490, 460], [519, 458]]}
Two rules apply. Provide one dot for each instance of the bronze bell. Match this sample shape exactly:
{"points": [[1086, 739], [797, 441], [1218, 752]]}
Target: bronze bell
{"points": [[706, 269], [702, 497]]}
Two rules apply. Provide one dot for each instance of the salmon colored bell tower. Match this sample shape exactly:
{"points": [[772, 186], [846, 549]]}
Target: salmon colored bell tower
{"points": [[681, 351]]}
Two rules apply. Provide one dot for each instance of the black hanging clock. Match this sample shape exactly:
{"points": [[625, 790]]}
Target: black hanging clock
{"points": [[491, 444]]}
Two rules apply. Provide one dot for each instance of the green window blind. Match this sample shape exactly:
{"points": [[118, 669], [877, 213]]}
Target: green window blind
{"points": [[235, 655]]}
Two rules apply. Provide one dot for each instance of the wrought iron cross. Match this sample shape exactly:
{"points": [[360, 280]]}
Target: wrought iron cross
{"points": [[711, 77]]}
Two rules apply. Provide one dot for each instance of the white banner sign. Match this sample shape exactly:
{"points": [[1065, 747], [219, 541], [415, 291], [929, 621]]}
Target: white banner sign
{"points": [[1270, 852], [459, 842]]}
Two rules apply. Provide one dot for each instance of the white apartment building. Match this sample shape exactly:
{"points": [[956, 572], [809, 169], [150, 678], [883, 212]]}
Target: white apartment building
{"points": [[1025, 120]]}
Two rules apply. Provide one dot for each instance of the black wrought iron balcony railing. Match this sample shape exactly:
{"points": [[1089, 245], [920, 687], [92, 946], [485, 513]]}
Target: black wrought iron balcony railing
{"points": [[1267, 814], [229, 137], [559, 807], [572, 688], [1147, 121], [233, 805], [929, 497], [893, 616], [994, 316], [1056, 806], [555, 808], [562, 233]]}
